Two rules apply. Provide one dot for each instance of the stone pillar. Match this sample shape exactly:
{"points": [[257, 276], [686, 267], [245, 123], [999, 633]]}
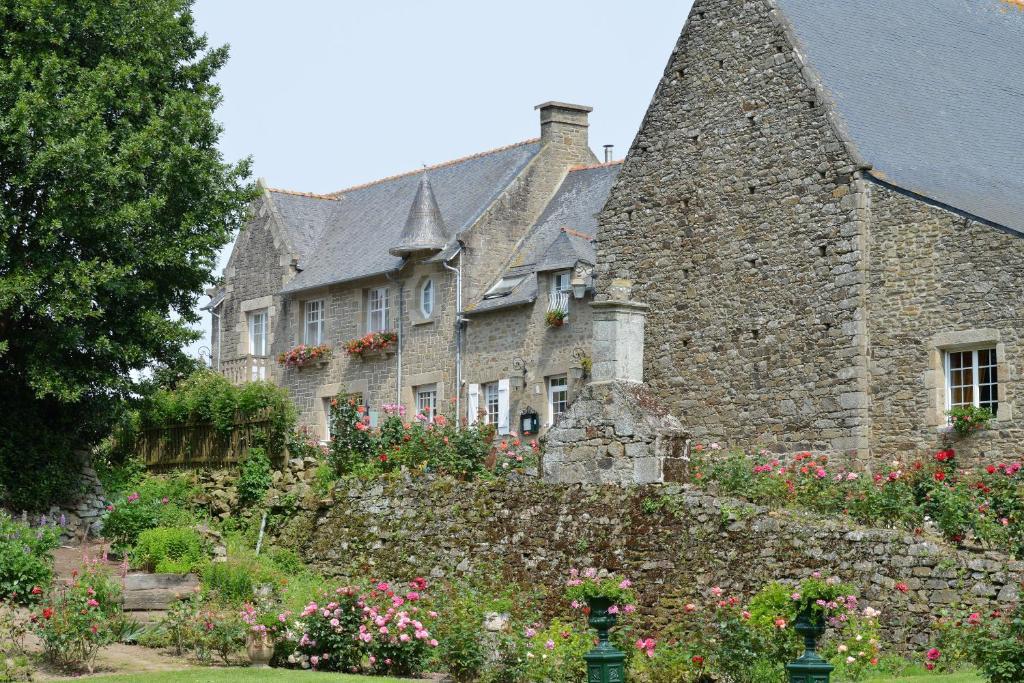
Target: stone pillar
{"points": [[618, 336]]}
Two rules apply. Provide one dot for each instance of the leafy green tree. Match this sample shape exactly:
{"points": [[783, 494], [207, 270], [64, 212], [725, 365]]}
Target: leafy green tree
{"points": [[114, 202]]}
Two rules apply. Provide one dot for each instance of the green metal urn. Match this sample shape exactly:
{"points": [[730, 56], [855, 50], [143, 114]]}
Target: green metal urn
{"points": [[810, 667], [605, 663]]}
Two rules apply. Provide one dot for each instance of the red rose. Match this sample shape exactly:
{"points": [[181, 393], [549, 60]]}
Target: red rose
{"points": [[36, 590], [991, 469], [47, 613], [940, 475], [697, 659]]}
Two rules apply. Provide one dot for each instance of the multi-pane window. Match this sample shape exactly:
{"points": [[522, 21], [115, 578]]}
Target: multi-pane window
{"points": [[558, 397], [258, 332], [377, 309], [327, 417], [427, 299], [561, 281], [426, 400], [491, 403], [314, 329], [972, 379]]}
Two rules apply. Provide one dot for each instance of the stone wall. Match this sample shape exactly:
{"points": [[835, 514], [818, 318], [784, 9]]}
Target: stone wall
{"points": [[494, 339], [735, 213], [942, 283], [673, 541]]}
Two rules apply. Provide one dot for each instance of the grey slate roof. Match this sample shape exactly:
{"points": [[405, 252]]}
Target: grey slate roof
{"points": [[563, 234], [304, 218], [366, 221], [930, 92]]}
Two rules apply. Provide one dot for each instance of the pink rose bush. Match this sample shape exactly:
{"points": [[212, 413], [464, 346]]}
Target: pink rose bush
{"points": [[984, 503], [383, 629]]}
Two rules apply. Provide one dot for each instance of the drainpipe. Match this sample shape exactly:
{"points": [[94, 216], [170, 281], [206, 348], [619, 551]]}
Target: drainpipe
{"points": [[458, 332]]}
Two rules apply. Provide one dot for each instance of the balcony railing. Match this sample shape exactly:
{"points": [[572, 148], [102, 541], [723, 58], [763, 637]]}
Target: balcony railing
{"points": [[246, 369], [559, 301]]}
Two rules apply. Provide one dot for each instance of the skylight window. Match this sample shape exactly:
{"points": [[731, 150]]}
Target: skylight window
{"points": [[504, 287]]}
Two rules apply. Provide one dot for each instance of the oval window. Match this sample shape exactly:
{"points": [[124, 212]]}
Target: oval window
{"points": [[427, 299]]}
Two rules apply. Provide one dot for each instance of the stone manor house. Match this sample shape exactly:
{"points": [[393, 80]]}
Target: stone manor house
{"points": [[815, 239], [461, 262]]}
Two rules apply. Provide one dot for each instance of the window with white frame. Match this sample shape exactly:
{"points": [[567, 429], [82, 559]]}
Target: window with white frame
{"points": [[972, 379], [427, 299], [426, 400], [377, 310], [258, 332], [558, 398], [314, 329], [491, 411], [561, 281]]}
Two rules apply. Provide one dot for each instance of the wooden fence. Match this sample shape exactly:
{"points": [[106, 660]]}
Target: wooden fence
{"points": [[201, 445]]}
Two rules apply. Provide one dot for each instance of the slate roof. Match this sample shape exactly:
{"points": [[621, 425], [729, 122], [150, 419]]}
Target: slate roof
{"points": [[930, 92], [305, 217], [362, 223], [563, 235]]}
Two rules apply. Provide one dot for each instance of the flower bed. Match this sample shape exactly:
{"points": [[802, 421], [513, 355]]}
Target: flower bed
{"points": [[984, 504], [303, 355], [380, 343], [435, 444]]}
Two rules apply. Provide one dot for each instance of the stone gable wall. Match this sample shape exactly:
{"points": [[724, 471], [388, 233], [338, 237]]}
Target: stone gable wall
{"points": [[254, 271], [739, 218], [673, 541], [935, 274]]}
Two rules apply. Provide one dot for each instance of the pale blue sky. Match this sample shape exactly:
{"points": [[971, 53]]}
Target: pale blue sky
{"points": [[326, 94]]}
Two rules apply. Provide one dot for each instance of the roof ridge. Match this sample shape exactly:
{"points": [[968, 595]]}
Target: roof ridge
{"points": [[587, 167], [443, 164], [298, 193]]}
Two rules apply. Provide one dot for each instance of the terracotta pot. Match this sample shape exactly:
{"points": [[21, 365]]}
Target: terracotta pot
{"points": [[260, 648]]}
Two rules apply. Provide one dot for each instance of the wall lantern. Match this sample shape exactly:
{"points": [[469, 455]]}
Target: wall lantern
{"points": [[529, 422], [579, 289], [518, 378]]}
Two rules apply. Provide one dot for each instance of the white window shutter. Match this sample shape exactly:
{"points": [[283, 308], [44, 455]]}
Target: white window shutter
{"points": [[473, 404], [503, 387]]}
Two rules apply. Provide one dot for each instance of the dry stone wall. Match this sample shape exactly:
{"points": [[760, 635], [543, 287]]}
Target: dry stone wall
{"points": [[672, 540]]}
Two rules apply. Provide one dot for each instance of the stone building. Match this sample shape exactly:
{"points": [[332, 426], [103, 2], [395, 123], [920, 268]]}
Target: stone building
{"points": [[823, 211], [403, 255]]}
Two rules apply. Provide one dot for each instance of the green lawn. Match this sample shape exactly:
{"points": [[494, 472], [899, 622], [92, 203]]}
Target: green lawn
{"points": [[232, 675]]}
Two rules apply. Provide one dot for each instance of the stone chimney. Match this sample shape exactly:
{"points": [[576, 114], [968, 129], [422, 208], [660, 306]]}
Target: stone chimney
{"points": [[564, 124]]}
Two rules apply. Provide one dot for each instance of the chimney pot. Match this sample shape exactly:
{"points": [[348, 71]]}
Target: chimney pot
{"points": [[609, 153]]}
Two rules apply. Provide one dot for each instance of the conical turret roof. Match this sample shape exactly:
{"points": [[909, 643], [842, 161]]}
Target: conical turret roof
{"points": [[424, 228]]}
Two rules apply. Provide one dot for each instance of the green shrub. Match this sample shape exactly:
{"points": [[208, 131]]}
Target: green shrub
{"points": [[26, 559], [255, 477], [159, 500], [168, 550], [993, 643]]}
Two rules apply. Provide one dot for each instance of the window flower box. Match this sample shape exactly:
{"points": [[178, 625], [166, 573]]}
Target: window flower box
{"points": [[555, 318], [303, 356], [372, 345]]}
